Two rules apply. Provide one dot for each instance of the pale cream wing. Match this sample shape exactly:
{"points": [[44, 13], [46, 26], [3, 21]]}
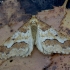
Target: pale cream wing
{"points": [[49, 41], [20, 44]]}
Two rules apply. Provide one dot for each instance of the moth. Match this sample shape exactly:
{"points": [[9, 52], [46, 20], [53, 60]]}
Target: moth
{"points": [[35, 32], [38, 31]]}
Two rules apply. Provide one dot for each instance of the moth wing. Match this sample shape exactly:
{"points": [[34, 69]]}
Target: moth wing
{"points": [[20, 44], [49, 41]]}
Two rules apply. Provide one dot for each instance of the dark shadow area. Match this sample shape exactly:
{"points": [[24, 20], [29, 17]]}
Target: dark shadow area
{"points": [[34, 6], [68, 5]]}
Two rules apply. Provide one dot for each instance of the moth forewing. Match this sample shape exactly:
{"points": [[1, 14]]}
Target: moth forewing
{"points": [[49, 41], [23, 37]]}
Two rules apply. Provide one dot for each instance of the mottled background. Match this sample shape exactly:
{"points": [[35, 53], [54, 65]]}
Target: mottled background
{"points": [[33, 6]]}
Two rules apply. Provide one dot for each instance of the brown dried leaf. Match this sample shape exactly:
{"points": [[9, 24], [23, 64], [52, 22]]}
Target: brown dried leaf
{"points": [[4, 34], [60, 62], [65, 26], [12, 15], [52, 17]]}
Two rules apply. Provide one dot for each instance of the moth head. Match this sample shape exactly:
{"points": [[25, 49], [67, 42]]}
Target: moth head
{"points": [[33, 20]]}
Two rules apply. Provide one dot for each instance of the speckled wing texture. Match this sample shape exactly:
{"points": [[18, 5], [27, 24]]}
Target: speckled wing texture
{"points": [[49, 40], [20, 44]]}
